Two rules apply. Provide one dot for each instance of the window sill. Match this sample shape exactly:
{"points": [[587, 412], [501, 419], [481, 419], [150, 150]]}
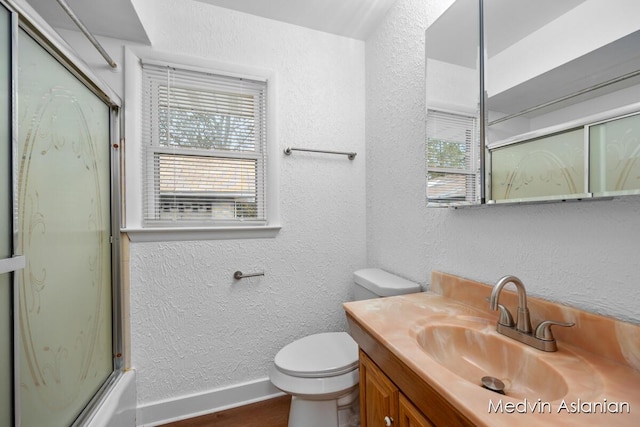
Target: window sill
{"points": [[176, 234]]}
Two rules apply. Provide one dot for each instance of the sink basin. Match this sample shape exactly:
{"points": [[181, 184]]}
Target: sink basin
{"points": [[475, 353]]}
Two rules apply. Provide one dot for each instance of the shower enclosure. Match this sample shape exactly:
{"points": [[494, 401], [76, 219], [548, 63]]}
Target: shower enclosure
{"points": [[59, 210]]}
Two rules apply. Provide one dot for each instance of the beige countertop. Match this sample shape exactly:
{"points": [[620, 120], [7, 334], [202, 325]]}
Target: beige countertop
{"points": [[597, 365]]}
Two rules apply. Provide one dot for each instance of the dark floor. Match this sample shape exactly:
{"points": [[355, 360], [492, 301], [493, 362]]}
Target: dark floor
{"points": [[268, 413]]}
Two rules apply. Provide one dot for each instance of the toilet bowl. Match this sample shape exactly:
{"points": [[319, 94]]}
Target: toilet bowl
{"points": [[320, 371]]}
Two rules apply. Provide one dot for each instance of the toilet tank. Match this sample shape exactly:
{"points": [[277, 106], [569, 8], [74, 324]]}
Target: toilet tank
{"points": [[374, 283]]}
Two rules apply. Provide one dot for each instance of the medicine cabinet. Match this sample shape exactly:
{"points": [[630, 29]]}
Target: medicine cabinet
{"points": [[533, 101]]}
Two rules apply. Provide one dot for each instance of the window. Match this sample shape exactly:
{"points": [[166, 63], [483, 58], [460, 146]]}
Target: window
{"points": [[452, 158], [204, 143]]}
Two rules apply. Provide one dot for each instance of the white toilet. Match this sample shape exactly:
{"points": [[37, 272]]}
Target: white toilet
{"points": [[321, 371]]}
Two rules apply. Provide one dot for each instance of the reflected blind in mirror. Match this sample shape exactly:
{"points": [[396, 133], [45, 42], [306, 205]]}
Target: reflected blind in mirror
{"points": [[204, 142], [452, 158]]}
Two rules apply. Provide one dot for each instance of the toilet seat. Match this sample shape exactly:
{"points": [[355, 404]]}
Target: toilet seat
{"points": [[322, 355]]}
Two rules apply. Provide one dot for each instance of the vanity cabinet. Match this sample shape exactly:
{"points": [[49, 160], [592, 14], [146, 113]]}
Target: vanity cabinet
{"points": [[390, 388], [378, 395], [410, 416], [381, 402]]}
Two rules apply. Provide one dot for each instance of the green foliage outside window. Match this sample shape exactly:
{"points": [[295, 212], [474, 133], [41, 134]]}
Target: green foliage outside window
{"points": [[446, 154]]}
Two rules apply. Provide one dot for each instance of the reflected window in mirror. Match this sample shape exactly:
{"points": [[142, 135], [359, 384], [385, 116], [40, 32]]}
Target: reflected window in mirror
{"points": [[452, 157]]}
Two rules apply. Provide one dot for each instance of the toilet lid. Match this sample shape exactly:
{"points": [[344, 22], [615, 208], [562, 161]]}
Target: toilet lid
{"points": [[321, 355]]}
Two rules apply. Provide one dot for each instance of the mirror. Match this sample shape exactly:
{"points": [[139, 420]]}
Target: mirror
{"points": [[452, 55], [560, 84]]}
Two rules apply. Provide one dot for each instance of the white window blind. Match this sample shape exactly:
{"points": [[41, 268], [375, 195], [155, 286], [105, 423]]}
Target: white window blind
{"points": [[204, 142], [452, 158]]}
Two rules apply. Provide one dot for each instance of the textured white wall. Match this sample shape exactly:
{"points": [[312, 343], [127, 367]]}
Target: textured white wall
{"points": [[193, 327], [580, 254]]}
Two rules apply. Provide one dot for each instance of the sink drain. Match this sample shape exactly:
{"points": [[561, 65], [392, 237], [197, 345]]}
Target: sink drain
{"points": [[493, 384]]}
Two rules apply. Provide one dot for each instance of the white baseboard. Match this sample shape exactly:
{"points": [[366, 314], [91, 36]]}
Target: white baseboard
{"points": [[157, 413]]}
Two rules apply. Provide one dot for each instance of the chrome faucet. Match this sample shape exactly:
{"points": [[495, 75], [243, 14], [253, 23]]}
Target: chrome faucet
{"points": [[521, 331], [523, 323]]}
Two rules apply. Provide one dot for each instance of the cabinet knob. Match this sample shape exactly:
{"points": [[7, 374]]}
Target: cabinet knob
{"points": [[388, 421]]}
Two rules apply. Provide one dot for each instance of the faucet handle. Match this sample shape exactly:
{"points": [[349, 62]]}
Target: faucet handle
{"points": [[505, 317], [543, 331]]}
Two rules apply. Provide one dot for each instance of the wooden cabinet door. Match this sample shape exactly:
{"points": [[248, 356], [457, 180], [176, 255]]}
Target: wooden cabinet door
{"points": [[410, 416], [378, 396]]}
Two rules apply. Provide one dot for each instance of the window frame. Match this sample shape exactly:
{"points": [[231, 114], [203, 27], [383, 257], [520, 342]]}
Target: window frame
{"points": [[134, 223]]}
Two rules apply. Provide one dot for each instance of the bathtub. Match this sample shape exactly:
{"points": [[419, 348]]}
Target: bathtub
{"points": [[118, 407]]}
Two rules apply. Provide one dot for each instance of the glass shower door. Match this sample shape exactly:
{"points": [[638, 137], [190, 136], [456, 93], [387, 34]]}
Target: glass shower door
{"points": [[6, 322], [64, 228]]}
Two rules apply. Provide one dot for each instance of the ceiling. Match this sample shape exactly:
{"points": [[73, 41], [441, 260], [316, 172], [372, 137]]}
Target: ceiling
{"points": [[505, 23], [350, 18], [118, 18], [453, 38]]}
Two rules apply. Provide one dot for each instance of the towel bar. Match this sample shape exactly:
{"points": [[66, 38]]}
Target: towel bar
{"points": [[350, 155]]}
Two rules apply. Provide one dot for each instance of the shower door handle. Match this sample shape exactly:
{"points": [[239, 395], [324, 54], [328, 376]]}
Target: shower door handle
{"points": [[16, 262]]}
